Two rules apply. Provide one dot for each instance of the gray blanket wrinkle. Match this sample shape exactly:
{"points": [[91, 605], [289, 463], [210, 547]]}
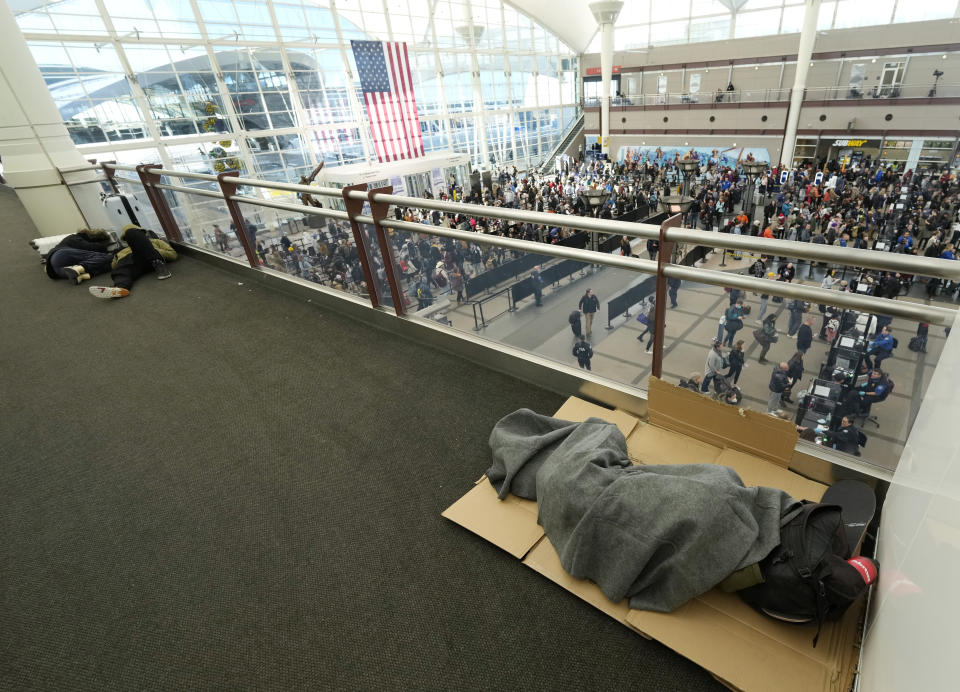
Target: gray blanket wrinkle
{"points": [[657, 535]]}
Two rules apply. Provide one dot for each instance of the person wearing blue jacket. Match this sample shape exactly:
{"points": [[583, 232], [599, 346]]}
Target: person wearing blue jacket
{"points": [[906, 240], [880, 348]]}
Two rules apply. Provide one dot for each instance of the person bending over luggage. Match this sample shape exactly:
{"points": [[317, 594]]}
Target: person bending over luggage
{"points": [[80, 256], [145, 253]]}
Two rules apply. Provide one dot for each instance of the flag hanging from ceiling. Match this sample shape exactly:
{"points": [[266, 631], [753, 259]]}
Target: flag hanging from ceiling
{"points": [[384, 71]]}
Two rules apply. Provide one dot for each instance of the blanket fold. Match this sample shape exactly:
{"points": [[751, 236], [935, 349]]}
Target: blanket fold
{"points": [[657, 535]]}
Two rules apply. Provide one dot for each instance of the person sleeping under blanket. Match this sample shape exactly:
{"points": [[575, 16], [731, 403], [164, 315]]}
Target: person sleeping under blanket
{"points": [[656, 535]]}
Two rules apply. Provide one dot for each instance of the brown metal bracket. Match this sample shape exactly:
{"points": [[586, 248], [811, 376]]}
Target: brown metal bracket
{"points": [[378, 210], [111, 176], [354, 208], [660, 306], [167, 221], [229, 190]]}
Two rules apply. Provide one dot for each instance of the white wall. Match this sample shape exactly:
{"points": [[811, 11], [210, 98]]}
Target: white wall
{"points": [[34, 142], [824, 73], [911, 640]]}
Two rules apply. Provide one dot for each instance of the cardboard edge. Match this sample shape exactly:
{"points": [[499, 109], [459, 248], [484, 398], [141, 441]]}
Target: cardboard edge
{"points": [[578, 410], [543, 559], [509, 524]]}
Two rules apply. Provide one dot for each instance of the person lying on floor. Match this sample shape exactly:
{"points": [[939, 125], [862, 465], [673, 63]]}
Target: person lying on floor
{"points": [[80, 256], [145, 253]]}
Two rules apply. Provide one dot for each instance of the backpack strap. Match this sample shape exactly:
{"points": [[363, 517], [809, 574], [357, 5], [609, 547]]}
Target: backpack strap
{"points": [[810, 568]]}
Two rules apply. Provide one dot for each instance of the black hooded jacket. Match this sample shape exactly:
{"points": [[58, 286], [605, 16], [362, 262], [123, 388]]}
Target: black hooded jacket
{"points": [[94, 240]]}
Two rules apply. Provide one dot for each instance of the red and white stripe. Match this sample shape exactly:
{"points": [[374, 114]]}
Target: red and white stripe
{"points": [[393, 114]]}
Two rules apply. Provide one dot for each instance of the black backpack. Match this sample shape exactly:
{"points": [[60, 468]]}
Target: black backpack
{"points": [[807, 577]]}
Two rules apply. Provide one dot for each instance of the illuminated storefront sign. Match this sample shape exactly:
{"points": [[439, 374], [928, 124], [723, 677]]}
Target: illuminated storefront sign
{"points": [[855, 143]]}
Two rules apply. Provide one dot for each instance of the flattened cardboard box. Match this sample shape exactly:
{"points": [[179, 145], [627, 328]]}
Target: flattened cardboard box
{"points": [[512, 523], [702, 418], [719, 632]]}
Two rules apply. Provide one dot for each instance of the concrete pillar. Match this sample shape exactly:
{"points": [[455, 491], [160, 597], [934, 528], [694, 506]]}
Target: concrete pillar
{"points": [[807, 37], [606, 14], [35, 145], [472, 33]]}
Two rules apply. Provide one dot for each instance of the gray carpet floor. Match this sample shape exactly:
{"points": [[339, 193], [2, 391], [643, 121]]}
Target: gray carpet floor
{"points": [[211, 485]]}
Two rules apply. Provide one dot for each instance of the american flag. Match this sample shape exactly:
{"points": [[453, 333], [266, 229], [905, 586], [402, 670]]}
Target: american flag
{"points": [[384, 71]]}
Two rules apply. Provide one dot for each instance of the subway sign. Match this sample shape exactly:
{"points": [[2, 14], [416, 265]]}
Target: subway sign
{"points": [[850, 142]]}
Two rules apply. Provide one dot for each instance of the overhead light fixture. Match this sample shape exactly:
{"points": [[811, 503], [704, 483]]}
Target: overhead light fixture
{"points": [[873, 60], [756, 67], [811, 64], [943, 57], [686, 144]]}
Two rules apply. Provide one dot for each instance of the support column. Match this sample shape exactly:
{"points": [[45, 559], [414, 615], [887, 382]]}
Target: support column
{"points": [[35, 144], [807, 37], [606, 14]]}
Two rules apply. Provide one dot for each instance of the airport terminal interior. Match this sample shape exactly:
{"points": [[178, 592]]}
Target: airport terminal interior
{"points": [[235, 478]]}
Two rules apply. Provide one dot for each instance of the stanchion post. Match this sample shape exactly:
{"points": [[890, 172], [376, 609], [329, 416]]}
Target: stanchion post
{"points": [[167, 222], [229, 190], [378, 210], [660, 305], [354, 208]]}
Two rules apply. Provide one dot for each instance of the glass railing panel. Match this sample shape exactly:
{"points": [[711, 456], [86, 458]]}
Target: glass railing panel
{"points": [[204, 222], [530, 301], [140, 204], [835, 364]]}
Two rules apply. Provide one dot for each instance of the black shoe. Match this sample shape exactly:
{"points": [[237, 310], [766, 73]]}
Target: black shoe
{"points": [[74, 273], [160, 269]]}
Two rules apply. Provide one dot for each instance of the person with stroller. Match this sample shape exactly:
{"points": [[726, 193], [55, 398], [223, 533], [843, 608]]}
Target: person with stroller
{"points": [[736, 358], [766, 335]]}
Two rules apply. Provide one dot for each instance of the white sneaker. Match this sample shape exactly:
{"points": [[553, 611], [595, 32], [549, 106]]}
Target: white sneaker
{"points": [[108, 292]]}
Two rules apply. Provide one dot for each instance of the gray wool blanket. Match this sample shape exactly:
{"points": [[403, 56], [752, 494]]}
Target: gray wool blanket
{"points": [[658, 535]]}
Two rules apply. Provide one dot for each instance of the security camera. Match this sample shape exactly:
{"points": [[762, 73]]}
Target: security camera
{"points": [[938, 73]]}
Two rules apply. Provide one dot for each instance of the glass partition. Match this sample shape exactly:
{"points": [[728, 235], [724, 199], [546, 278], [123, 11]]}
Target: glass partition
{"points": [[828, 368]]}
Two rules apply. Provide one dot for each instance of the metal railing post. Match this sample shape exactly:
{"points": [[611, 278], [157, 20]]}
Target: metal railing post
{"points": [[660, 304], [148, 179], [110, 173], [378, 210], [229, 190], [354, 208]]}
